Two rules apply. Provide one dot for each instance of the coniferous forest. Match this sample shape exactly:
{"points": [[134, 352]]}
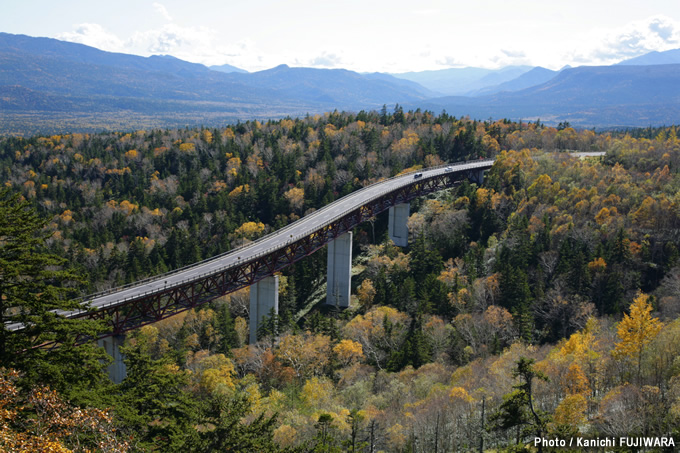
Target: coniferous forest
{"points": [[543, 303]]}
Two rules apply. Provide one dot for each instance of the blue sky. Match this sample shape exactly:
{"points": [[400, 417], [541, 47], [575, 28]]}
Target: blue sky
{"points": [[387, 36]]}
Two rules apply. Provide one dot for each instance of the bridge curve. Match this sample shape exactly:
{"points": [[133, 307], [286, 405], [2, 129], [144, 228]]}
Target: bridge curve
{"points": [[159, 297], [165, 295], [162, 296]]}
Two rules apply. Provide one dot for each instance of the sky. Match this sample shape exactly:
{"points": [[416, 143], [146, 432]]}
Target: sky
{"points": [[361, 35]]}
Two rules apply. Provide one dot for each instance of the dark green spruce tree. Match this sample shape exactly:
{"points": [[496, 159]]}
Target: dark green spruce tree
{"points": [[34, 286], [518, 411]]}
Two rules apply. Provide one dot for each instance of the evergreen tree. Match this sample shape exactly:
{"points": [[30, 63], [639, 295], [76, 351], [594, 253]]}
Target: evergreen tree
{"points": [[153, 400], [226, 328], [324, 440], [414, 352], [224, 429], [515, 291], [354, 420], [518, 410], [34, 285], [424, 260]]}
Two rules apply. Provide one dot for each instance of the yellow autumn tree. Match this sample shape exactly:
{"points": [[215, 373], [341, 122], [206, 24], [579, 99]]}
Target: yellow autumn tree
{"points": [[187, 147], [317, 392], [636, 330], [571, 412], [249, 229], [575, 380], [285, 436], [348, 351], [380, 331], [296, 198], [241, 328], [217, 374], [366, 293], [307, 354]]}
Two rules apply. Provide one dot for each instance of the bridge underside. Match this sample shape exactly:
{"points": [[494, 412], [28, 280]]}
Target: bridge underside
{"points": [[150, 308]]}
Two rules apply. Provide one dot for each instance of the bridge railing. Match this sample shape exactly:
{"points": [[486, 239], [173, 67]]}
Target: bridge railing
{"points": [[164, 276]]}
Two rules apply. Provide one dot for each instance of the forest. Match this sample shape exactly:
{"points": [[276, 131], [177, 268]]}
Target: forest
{"points": [[543, 303]]}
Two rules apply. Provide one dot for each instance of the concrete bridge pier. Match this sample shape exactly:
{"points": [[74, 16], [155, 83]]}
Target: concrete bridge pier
{"points": [[478, 177], [264, 296], [117, 371], [339, 271], [397, 227]]}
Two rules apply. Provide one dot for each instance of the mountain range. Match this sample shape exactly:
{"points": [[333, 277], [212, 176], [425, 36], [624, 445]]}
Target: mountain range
{"points": [[52, 85]]}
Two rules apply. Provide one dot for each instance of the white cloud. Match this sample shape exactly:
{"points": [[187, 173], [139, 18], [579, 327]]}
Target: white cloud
{"points": [[163, 11], [657, 33], [325, 60], [450, 62], [266, 47], [195, 44], [427, 12], [514, 53], [94, 35], [171, 38]]}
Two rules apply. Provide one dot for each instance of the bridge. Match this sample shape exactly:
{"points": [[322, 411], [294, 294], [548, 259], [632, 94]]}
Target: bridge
{"points": [[257, 263], [162, 296]]}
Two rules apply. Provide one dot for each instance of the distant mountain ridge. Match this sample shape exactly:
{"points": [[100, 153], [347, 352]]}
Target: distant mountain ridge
{"points": [[227, 68], [588, 95], [533, 77], [46, 84], [461, 81], [655, 58], [91, 80]]}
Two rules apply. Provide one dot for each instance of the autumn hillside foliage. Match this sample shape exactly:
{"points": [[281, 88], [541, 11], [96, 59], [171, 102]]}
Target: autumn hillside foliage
{"points": [[545, 301]]}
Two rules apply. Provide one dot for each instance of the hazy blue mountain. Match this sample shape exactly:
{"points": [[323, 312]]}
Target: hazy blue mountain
{"points": [[79, 53], [227, 68], [461, 81], [46, 75], [654, 58], [533, 77], [586, 96], [46, 84], [338, 87], [409, 84]]}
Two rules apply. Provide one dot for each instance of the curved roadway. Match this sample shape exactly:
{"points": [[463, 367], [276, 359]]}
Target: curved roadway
{"points": [[276, 240]]}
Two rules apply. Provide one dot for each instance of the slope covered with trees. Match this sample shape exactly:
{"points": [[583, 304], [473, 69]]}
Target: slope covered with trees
{"points": [[544, 302]]}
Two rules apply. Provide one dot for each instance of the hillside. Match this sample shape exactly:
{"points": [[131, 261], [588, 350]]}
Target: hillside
{"points": [[545, 269]]}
